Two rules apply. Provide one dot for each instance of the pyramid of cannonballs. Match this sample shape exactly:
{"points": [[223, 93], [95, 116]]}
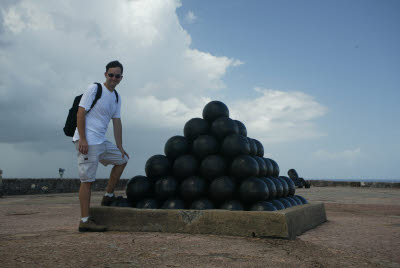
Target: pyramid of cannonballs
{"points": [[214, 165]]}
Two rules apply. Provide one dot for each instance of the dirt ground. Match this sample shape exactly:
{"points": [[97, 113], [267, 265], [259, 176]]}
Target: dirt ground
{"points": [[363, 230]]}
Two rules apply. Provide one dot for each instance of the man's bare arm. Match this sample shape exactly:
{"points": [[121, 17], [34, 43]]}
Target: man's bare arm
{"points": [[81, 125], [118, 135]]}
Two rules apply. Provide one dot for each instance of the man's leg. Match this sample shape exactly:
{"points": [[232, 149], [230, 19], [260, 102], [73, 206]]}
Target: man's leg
{"points": [[112, 156], [115, 175], [84, 198], [87, 172]]}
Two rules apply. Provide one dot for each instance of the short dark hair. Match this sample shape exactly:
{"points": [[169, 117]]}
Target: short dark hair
{"points": [[114, 64]]}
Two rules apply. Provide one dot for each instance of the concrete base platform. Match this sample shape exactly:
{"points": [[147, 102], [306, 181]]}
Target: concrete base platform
{"points": [[287, 223]]}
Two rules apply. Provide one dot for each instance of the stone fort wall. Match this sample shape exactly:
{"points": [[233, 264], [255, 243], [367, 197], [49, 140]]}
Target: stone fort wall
{"points": [[52, 186]]}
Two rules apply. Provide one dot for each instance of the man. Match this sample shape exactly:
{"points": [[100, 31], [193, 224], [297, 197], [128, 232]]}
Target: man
{"points": [[92, 145]]}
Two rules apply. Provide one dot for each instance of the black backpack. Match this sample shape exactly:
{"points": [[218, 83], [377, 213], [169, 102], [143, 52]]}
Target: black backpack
{"points": [[70, 124]]}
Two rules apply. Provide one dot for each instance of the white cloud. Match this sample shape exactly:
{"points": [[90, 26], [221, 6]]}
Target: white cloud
{"points": [[237, 63], [57, 50], [275, 116], [345, 157], [169, 113], [205, 63], [50, 52], [279, 116], [26, 16], [190, 17]]}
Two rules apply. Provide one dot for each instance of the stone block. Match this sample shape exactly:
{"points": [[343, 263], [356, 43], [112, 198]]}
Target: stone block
{"points": [[287, 223]]}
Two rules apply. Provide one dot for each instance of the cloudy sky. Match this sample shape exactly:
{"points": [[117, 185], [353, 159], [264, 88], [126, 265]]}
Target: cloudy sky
{"points": [[317, 82]]}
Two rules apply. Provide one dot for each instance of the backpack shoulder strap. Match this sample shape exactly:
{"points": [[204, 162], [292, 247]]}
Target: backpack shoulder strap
{"points": [[98, 95], [116, 94]]}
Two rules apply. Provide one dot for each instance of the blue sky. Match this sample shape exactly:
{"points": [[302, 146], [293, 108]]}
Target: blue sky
{"points": [[315, 81], [344, 53]]}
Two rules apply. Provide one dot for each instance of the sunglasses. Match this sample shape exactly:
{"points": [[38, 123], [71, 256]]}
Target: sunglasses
{"points": [[118, 76]]}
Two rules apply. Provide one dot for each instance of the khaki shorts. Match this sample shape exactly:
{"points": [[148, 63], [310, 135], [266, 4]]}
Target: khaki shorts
{"points": [[105, 153]]}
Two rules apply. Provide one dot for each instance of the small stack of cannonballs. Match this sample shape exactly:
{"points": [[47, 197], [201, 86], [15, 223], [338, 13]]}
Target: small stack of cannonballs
{"points": [[214, 165]]}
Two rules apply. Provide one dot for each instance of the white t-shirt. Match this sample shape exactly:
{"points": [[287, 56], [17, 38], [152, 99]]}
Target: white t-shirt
{"points": [[99, 117]]}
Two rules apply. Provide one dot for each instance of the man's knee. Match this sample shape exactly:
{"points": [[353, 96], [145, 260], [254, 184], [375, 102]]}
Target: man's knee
{"points": [[86, 184], [120, 167], [123, 165]]}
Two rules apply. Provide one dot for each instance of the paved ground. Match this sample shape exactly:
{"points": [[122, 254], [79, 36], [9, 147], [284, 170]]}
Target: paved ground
{"points": [[363, 230]]}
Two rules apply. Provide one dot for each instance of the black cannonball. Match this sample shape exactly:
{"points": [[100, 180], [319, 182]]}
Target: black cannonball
{"points": [[214, 110], [278, 186], [125, 203], [270, 167], [285, 187], [138, 187], [175, 147], [262, 167], [278, 204], [157, 166], [148, 203], [205, 145], [299, 182], [196, 127], [193, 188], [242, 128], [275, 172], [114, 203], [121, 202], [234, 145], [290, 183], [292, 173], [285, 202], [298, 201], [271, 187], [232, 205], [165, 188], [253, 190], [263, 206], [291, 200], [173, 204], [253, 147], [202, 204], [260, 148], [303, 200], [222, 127], [185, 166], [222, 189], [213, 166], [244, 166]]}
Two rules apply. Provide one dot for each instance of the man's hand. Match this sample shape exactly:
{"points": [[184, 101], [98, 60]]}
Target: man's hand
{"points": [[83, 146], [123, 153]]}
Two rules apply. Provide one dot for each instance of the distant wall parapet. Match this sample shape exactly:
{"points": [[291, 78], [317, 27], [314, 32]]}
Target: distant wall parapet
{"points": [[52, 186], [323, 183]]}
